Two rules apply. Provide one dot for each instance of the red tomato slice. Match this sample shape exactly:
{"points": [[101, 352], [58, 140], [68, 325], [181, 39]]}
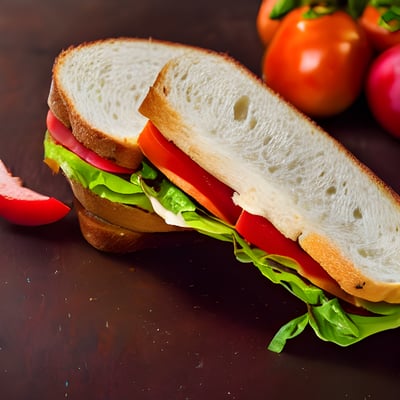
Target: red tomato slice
{"points": [[258, 231], [266, 27], [23, 206], [214, 195], [62, 135]]}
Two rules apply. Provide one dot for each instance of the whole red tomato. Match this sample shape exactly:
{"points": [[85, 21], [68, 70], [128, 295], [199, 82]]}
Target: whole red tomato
{"points": [[266, 27], [380, 38], [383, 89], [317, 64]]}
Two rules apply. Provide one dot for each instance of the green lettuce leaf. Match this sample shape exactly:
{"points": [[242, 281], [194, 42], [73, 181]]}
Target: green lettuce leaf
{"points": [[104, 184], [324, 314], [176, 201]]}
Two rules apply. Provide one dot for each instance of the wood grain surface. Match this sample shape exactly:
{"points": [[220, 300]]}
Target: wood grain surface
{"points": [[188, 323]]}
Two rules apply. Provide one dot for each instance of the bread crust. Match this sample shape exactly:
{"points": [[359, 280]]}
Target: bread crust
{"points": [[348, 276]]}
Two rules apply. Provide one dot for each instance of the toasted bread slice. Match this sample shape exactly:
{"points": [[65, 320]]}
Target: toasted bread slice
{"points": [[284, 167]]}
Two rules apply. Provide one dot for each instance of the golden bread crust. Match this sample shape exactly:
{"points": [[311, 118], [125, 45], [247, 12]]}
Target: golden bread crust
{"points": [[346, 273]]}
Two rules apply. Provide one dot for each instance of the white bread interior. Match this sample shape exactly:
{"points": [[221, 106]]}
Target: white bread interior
{"points": [[284, 167], [97, 87]]}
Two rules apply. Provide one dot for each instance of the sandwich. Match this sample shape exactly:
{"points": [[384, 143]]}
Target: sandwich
{"points": [[222, 155], [92, 128]]}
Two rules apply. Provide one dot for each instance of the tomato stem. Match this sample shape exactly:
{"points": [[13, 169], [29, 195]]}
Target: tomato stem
{"points": [[390, 19], [320, 8]]}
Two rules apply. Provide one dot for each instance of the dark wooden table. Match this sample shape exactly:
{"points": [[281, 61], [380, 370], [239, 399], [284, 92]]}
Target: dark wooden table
{"points": [[180, 324]]}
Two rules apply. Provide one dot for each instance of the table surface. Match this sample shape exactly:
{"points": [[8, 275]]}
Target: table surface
{"points": [[173, 324]]}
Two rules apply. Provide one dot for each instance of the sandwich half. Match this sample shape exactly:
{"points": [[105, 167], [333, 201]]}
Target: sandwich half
{"points": [[92, 129], [296, 198]]}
